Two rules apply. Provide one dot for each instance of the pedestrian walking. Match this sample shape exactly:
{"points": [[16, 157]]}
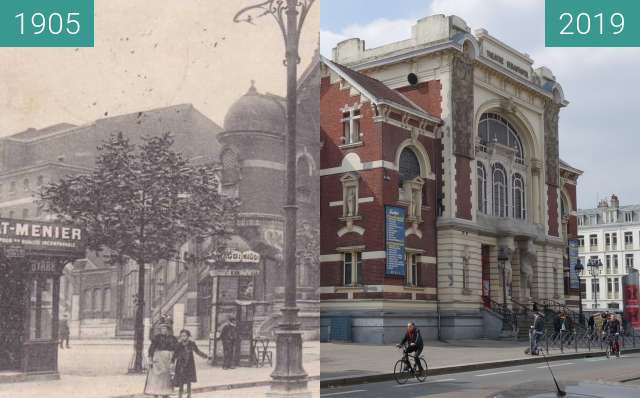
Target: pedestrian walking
{"points": [[63, 332], [185, 366], [536, 330], [161, 353], [229, 337]]}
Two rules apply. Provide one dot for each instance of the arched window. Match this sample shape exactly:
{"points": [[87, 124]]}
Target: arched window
{"points": [[409, 166], [495, 128], [482, 188], [499, 191], [519, 208]]}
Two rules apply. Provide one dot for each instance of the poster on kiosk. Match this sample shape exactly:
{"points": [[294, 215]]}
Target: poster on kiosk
{"points": [[630, 285]]}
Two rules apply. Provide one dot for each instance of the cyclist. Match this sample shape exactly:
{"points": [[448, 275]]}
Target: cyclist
{"points": [[413, 339], [613, 330]]}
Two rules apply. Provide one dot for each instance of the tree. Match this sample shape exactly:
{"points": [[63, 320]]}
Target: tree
{"points": [[141, 202]]}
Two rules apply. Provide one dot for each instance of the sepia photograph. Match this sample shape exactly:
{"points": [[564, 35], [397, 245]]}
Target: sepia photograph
{"points": [[159, 205]]}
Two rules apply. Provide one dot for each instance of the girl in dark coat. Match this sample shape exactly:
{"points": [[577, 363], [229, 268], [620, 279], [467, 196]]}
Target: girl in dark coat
{"points": [[185, 370]]}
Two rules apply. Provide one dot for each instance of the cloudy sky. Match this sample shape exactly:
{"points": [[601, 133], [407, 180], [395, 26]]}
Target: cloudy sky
{"points": [[145, 57], [598, 130]]}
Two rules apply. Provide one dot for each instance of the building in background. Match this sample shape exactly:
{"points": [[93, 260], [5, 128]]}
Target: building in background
{"points": [[611, 233], [443, 195]]}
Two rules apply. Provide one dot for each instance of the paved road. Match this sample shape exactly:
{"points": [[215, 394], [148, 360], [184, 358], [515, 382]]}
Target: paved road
{"points": [[485, 382]]}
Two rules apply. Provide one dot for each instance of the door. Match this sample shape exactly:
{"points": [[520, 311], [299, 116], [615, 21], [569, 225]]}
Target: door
{"points": [[12, 315]]}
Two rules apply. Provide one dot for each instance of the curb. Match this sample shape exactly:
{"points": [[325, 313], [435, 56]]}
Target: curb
{"points": [[375, 378], [219, 387]]}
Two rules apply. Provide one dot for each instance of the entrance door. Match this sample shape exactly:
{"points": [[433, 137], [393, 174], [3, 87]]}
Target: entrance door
{"points": [[12, 315], [486, 276]]}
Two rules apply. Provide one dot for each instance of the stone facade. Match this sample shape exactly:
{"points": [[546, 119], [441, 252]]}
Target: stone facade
{"points": [[496, 186]]}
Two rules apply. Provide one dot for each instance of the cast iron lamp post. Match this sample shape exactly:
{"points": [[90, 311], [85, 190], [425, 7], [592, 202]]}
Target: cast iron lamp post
{"points": [[579, 268], [289, 377], [594, 266]]}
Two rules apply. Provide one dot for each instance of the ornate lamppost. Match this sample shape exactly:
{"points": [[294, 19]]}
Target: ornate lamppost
{"points": [[579, 268], [289, 377], [595, 265]]}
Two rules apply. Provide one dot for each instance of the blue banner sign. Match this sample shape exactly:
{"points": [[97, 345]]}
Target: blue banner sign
{"points": [[574, 278], [394, 236]]}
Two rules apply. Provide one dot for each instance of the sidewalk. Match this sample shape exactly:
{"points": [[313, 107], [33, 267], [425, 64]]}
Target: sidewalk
{"points": [[348, 363], [94, 370]]}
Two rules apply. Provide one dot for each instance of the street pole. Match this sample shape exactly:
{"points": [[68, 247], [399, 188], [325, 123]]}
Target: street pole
{"points": [[289, 377]]}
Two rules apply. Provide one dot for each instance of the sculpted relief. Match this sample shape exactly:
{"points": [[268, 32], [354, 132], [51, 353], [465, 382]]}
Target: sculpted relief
{"points": [[462, 106], [551, 116]]}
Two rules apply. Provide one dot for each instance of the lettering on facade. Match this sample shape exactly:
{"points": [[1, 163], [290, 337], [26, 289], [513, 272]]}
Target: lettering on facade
{"points": [[508, 64], [43, 266], [236, 256], [41, 236]]}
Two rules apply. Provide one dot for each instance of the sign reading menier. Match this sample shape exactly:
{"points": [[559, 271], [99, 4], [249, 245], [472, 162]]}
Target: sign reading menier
{"points": [[42, 236]]}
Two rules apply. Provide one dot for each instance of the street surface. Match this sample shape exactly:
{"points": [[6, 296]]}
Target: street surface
{"points": [[98, 369], [483, 383]]}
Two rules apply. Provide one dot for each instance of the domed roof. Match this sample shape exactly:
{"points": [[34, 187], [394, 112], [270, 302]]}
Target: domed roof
{"points": [[256, 112]]}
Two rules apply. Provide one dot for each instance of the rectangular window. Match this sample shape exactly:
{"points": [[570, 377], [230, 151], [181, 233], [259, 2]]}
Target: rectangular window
{"points": [[593, 242], [411, 269], [616, 288], [595, 288], [607, 240], [351, 126], [581, 242], [628, 240], [607, 260], [614, 240], [628, 262], [628, 216], [352, 268], [41, 309]]}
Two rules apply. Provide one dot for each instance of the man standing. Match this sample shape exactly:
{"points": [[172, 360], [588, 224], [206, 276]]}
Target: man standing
{"points": [[63, 332], [229, 337], [537, 330]]}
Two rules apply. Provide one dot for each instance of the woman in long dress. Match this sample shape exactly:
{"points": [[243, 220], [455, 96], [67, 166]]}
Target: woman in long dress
{"points": [[160, 359], [185, 362]]}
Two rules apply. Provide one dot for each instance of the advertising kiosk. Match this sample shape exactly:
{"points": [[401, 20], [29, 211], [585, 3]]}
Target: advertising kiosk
{"points": [[32, 257]]}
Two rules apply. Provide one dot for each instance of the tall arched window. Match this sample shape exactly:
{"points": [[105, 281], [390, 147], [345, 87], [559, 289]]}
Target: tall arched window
{"points": [[499, 191], [494, 128], [482, 188], [409, 166], [517, 185]]}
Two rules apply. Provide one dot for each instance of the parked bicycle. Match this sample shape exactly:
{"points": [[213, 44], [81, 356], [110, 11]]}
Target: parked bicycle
{"points": [[403, 368]]}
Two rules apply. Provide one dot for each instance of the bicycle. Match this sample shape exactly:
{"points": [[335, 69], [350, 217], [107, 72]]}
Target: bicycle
{"points": [[402, 372], [613, 345]]}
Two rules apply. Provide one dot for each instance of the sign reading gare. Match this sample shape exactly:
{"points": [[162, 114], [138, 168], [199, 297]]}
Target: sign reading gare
{"points": [[42, 236]]}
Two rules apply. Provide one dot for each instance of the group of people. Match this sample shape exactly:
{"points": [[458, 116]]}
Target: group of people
{"points": [[172, 361]]}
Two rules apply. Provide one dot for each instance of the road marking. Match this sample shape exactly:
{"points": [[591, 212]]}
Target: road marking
{"points": [[556, 365], [341, 393], [596, 359], [428, 382], [500, 373]]}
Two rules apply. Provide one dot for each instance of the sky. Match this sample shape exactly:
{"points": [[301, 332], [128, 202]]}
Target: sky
{"points": [[187, 51], [598, 130]]}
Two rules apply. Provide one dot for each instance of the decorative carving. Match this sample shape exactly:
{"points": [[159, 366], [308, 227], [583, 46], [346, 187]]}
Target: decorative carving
{"points": [[351, 201], [462, 106], [551, 116]]}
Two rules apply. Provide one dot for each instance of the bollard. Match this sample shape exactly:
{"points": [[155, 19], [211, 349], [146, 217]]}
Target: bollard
{"points": [[575, 339], [546, 338]]}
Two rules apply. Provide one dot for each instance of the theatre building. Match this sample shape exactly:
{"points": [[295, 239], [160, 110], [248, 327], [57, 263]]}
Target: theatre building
{"points": [[33, 256], [442, 192]]}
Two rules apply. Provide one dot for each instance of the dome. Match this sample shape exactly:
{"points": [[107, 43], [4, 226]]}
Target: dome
{"points": [[256, 112]]}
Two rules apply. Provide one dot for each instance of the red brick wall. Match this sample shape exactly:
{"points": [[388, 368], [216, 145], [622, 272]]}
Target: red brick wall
{"points": [[552, 205], [427, 95], [463, 188]]}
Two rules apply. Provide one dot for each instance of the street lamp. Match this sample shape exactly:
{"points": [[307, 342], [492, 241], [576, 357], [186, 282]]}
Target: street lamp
{"points": [[579, 268], [289, 376], [503, 257], [595, 265]]}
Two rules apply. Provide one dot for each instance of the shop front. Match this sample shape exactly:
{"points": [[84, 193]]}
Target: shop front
{"points": [[233, 296], [32, 257]]}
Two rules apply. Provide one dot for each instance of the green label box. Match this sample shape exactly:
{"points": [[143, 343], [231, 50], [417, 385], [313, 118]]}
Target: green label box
{"points": [[46, 23], [592, 23]]}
